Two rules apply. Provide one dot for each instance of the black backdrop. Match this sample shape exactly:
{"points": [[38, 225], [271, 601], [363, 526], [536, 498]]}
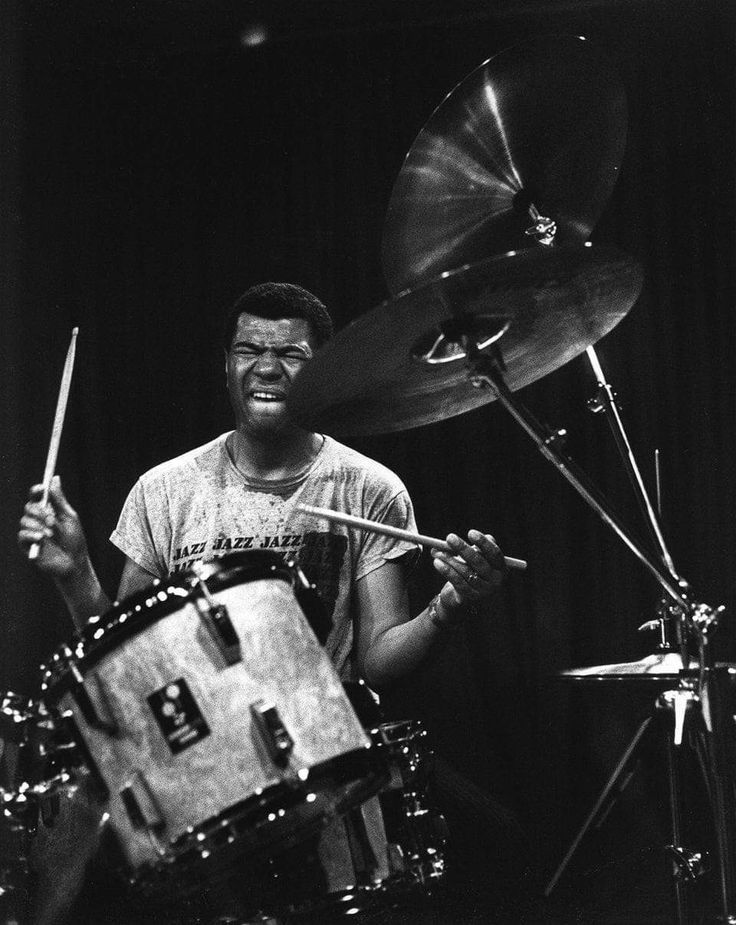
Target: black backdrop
{"points": [[146, 185]]}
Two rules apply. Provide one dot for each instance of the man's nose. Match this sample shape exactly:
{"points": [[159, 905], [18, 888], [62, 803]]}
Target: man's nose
{"points": [[268, 365]]}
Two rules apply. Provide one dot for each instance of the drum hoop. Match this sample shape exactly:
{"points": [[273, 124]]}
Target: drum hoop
{"points": [[365, 767], [135, 613]]}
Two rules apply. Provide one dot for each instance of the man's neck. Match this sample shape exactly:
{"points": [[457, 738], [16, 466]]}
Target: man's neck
{"points": [[273, 457]]}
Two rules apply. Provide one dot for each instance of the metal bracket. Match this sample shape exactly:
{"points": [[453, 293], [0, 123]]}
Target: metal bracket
{"points": [[274, 734], [217, 620]]}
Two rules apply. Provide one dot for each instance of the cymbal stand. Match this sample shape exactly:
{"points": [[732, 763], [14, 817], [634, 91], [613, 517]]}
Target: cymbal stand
{"points": [[486, 371], [544, 232], [605, 402], [687, 864], [711, 691]]}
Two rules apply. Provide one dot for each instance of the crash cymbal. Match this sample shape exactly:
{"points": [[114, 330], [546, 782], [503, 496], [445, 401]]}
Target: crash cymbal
{"points": [[393, 369], [662, 666], [540, 124]]}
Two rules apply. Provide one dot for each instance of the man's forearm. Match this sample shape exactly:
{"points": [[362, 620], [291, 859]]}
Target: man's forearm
{"points": [[402, 648], [82, 593]]}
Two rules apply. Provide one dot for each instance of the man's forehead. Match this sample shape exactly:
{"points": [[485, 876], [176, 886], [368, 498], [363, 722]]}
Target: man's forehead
{"points": [[271, 330]]}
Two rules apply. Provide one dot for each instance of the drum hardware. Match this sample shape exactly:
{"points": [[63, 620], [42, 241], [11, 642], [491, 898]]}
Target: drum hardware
{"points": [[81, 692], [688, 865], [279, 744], [215, 617], [700, 621], [142, 809]]}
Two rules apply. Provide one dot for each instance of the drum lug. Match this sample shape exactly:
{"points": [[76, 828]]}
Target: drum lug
{"points": [[89, 710], [140, 804], [273, 732], [221, 629], [217, 620]]}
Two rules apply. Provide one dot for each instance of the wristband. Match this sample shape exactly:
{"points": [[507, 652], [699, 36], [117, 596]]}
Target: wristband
{"points": [[433, 612]]}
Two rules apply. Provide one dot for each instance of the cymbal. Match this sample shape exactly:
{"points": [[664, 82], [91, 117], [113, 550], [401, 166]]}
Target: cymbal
{"points": [[542, 123], [540, 308], [662, 666]]}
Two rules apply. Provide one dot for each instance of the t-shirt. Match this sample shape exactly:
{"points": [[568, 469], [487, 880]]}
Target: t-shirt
{"points": [[199, 505]]}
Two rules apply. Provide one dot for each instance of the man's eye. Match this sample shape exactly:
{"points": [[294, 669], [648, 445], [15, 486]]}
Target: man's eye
{"points": [[294, 355]]}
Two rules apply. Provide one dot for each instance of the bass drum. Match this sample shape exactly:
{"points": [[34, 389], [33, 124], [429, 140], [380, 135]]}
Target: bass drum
{"points": [[211, 721]]}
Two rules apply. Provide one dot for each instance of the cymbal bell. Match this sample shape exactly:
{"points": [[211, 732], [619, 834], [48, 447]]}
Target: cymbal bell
{"points": [[540, 126], [400, 365]]}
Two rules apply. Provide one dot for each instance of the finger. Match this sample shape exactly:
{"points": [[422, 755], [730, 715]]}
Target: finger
{"points": [[35, 523], [36, 492], [489, 548], [27, 536], [476, 561], [458, 573], [38, 514]]}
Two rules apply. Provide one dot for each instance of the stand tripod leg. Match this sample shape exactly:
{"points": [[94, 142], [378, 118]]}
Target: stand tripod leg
{"points": [[673, 773], [624, 761]]}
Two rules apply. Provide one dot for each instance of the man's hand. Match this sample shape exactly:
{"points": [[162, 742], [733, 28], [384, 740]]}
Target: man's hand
{"points": [[58, 530], [472, 574]]}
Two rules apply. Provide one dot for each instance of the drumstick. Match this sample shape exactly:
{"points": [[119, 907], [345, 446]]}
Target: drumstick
{"points": [[375, 527], [48, 472]]}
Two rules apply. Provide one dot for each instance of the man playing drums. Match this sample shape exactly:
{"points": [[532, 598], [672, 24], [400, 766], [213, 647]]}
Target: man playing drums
{"points": [[241, 491]]}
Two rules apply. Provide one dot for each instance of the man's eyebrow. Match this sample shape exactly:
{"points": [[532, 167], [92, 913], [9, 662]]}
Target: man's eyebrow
{"points": [[279, 348]]}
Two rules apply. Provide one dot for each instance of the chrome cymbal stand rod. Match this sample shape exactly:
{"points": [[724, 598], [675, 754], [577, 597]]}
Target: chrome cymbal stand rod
{"points": [[605, 401], [668, 621], [485, 370]]}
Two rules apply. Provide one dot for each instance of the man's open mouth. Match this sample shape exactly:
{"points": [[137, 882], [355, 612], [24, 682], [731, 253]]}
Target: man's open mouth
{"points": [[264, 395]]}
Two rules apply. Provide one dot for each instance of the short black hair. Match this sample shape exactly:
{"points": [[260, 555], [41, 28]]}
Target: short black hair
{"points": [[281, 300]]}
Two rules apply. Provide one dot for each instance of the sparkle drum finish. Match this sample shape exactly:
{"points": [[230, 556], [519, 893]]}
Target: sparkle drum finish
{"points": [[212, 720]]}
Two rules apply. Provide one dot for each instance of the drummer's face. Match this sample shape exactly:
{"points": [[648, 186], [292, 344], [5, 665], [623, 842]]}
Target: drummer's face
{"points": [[264, 356]]}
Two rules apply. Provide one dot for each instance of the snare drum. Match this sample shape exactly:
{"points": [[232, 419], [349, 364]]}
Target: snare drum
{"points": [[212, 720]]}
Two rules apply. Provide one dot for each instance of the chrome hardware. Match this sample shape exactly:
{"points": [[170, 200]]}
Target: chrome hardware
{"points": [[678, 700], [688, 865], [140, 804], [216, 618], [95, 708], [273, 733], [544, 229]]}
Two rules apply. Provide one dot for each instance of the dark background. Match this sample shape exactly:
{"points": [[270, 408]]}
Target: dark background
{"points": [[152, 166]]}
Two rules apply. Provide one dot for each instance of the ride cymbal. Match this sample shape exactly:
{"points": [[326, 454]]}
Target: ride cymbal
{"points": [[400, 366], [540, 127]]}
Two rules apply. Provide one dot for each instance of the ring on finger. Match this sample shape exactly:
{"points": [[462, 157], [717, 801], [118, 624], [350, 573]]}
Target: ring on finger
{"points": [[473, 579]]}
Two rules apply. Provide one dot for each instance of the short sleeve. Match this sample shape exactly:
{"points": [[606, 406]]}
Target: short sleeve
{"points": [[376, 549], [141, 527]]}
